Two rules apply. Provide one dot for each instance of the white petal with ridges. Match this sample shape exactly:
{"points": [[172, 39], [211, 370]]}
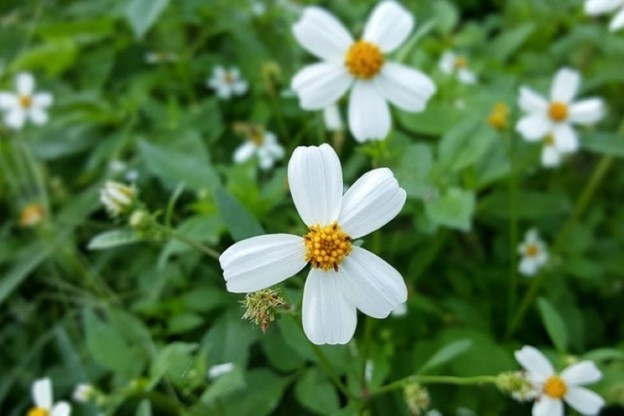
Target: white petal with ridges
{"points": [[388, 26], [565, 85], [597, 7], [617, 22], [584, 372], [534, 127], [535, 363], [315, 180], [369, 115], [546, 406], [61, 409], [321, 84], [262, 261], [587, 111], [42, 393], [322, 34], [25, 83], [584, 401], [531, 102], [566, 139], [407, 88]]}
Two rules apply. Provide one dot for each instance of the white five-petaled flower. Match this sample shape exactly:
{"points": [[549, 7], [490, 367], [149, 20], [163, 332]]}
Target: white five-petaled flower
{"points": [[556, 115], [343, 276], [361, 65], [25, 104], [227, 82], [566, 386], [598, 7], [453, 64], [533, 252], [44, 403], [261, 143]]}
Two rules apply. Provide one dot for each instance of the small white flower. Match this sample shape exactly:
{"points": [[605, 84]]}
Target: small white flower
{"points": [[598, 7], [331, 117], [566, 386], [453, 64], [218, 370], [154, 58], [261, 143], [556, 116], [533, 252], [25, 104], [360, 66], [343, 276], [83, 392], [227, 82], [117, 197], [44, 403]]}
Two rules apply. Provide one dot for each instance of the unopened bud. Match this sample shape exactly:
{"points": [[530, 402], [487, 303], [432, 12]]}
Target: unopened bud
{"points": [[517, 385], [262, 307], [117, 197], [83, 392], [139, 219], [417, 398]]}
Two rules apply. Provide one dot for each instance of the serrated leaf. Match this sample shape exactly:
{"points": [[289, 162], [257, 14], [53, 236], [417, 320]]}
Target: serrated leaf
{"points": [[113, 238], [240, 223], [555, 326], [446, 354]]}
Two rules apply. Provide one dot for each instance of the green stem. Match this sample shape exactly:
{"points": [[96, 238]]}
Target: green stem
{"points": [[513, 233], [421, 379], [195, 244]]}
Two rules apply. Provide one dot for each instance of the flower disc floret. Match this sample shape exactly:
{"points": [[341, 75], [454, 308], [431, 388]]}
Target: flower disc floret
{"points": [[327, 246], [38, 411], [364, 59], [461, 62], [531, 250], [555, 387], [558, 111], [25, 101]]}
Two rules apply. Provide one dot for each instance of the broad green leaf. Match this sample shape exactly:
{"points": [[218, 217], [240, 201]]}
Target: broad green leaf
{"points": [[509, 41], [437, 118], [54, 56], [446, 354], [113, 238], [605, 143], [555, 326], [240, 223], [452, 209], [533, 204], [201, 228], [227, 383], [412, 171], [261, 397], [177, 363], [142, 14], [465, 143], [445, 14], [314, 385]]}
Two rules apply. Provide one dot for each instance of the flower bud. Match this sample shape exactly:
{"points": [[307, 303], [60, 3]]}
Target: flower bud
{"points": [[117, 197], [262, 307], [416, 397], [517, 385]]}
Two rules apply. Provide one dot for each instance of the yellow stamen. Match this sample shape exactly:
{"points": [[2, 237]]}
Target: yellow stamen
{"points": [[461, 62], [25, 101], [555, 387], [364, 60], [38, 411], [327, 246], [558, 111], [498, 117], [531, 250], [229, 78]]}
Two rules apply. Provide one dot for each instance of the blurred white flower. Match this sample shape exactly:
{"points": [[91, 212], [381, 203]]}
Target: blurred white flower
{"points": [[556, 116], [25, 104], [160, 57], [264, 144], [453, 64], [117, 197], [343, 277], [533, 253], [331, 117], [598, 7], [83, 392], [218, 370], [555, 388], [227, 82], [43, 398], [360, 66]]}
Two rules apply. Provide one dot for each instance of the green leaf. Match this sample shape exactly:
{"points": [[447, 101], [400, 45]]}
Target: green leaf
{"points": [[453, 209], [446, 354], [465, 143], [240, 223], [142, 14], [314, 385], [509, 41], [201, 228], [144, 408], [177, 363], [604, 143], [261, 397], [412, 171], [27, 260], [445, 14], [113, 238], [54, 56], [224, 384], [435, 120], [555, 326]]}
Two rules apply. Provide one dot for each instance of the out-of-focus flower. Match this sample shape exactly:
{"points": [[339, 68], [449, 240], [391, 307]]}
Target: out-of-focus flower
{"points": [[517, 385], [360, 66], [453, 64], [25, 104], [44, 403], [160, 57], [598, 7], [533, 252], [331, 117], [227, 82], [218, 370], [258, 142], [499, 115], [117, 197], [32, 215], [83, 392]]}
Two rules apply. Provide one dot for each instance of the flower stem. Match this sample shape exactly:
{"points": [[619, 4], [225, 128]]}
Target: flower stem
{"points": [[422, 379]]}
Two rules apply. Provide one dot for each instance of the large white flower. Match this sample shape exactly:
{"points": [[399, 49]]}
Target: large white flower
{"points": [[556, 115], [451, 63], [25, 104], [44, 404], [361, 65], [261, 143], [598, 7], [227, 82], [343, 276], [534, 253], [566, 386]]}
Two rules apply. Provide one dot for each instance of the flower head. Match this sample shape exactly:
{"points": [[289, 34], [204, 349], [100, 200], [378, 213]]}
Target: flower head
{"points": [[83, 392], [416, 397], [44, 403], [227, 82], [517, 385], [360, 66], [533, 252], [117, 197], [553, 388], [32, 215], [25, 104], [343, 276], [498, 117], [453, 64], [598, 7], [258, 142]]}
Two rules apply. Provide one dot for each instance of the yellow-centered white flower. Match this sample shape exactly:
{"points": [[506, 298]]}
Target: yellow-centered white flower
{"points": [[533, 253], [554, 388], [227, 82], [453, 64], [343, 277], [598, 7], [360, 65], [556, 115], [25, 104], [44, 403], [262, 143]]}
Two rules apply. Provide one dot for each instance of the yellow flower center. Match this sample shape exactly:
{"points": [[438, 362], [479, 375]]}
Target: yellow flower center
{"points": [[38, 411], [229, 78], [461, 62], [558, 111], [555, 387], [25, 101], [32, 215], [327, 246], [531, 250], [364, 59], [498, 116], [256, 135]]}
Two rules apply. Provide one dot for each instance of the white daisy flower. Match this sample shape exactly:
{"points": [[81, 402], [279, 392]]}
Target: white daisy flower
{"points": [[117, 197], [264, 144], [25, 104], [44, 403], [453, 64], [343, 276], [598, 7], [331, 117], [227, 82], [218, 370], [83, 392], [556, 115], [533, 252], [566, 386], [361, 66]]}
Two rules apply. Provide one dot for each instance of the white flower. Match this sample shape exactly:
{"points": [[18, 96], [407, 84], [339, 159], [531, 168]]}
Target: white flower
{"points": [[25, 104], [117, 197], [331, 117], [227, 82], [534, 253], [598, 7], [44, 404], [218, 370], [362, 66], [566, 386], [261, 143], [83, 392], [556, 116], [453, 64], [343, 276]]}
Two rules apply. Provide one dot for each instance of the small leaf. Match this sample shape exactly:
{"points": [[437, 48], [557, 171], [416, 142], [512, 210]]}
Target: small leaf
{"points": [[142, 14], [240, 223], [446, 354], [509, 41], [175, 362], [113, 238], [453, 209], [313, 385], [605, 143], [555, 326]]}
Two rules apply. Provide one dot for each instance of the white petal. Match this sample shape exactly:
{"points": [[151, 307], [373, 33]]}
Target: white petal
{"points": [[388, 26], [466, 77], [25, 83], [534, 362], [584, 401], [546, 406], [38, 116], [369, 115], [42, 393], [61, 409], [266, 159], [584, 372], [240, 87], [8, 101], [328, 316], [447, 62], [373, 200], [531, 102], [587, 111], [534, 127], [244, 152], [15, 118], [43, 99], [617, 22], [331, 117], [596, 7], [321, 84], [566, 139], [407, 88], [371, 284], [528, 266], [322, 34], [262, 261], [551, 157], [565, 85], [315, 180]]}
